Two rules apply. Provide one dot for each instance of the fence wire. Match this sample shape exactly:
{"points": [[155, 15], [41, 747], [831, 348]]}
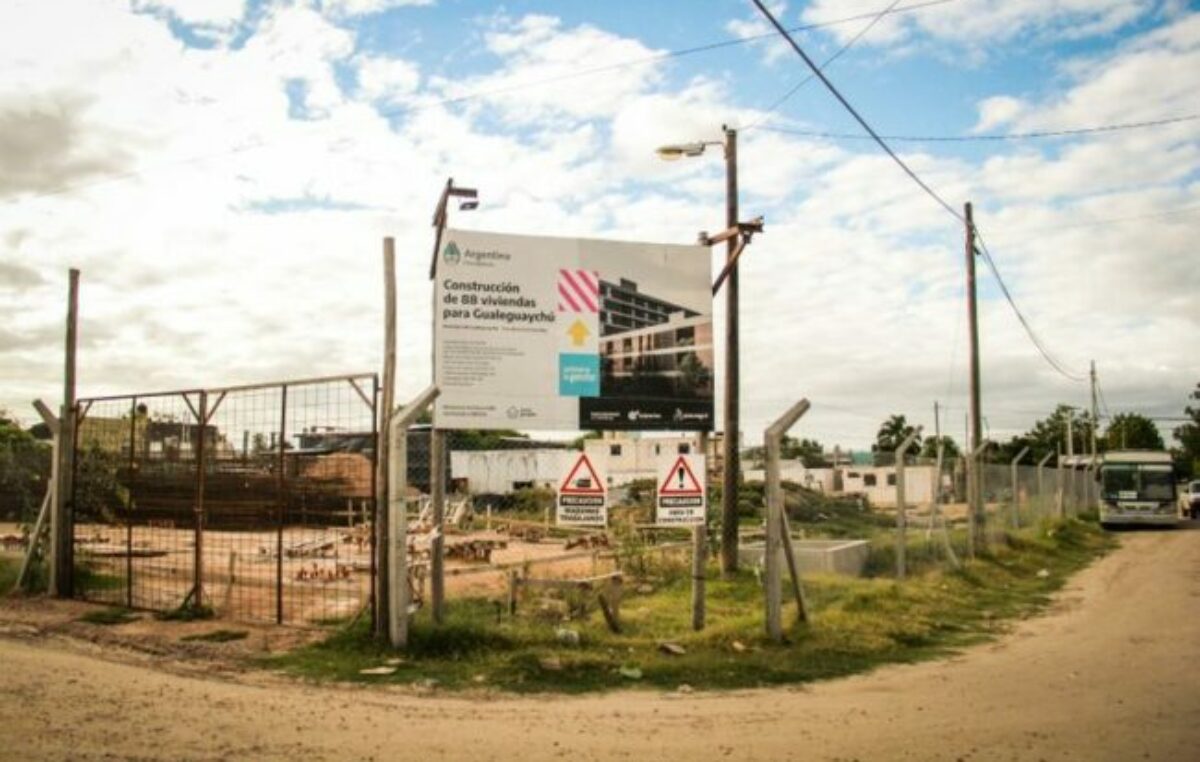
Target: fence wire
{"points": [[256, 502]]}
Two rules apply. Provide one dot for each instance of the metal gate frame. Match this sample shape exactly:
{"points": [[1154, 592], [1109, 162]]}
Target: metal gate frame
{"points": [[203, 405]]}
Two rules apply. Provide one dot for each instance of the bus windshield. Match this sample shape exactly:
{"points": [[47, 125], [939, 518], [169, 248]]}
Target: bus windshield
{"points": [[1133, 482]]}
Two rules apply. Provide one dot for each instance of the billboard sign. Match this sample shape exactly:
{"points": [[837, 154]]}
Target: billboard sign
{"points": [[582, 495], [681, 494], [562, 334]]}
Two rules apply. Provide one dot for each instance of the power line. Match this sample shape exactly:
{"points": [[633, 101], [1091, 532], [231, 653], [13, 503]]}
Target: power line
{"points": [[1117, 127], [1033, 337], [824, 65], [853, 112]]}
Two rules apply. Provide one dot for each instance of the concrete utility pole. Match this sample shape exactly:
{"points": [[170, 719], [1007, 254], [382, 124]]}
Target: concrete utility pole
{"points": [[730, 480], [902, 506], [62, 545], [383, 485], [1095, 410], [974, 509]]}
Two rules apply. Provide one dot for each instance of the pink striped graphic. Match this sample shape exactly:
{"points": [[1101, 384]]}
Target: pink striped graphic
{"points": [[578, 291]]}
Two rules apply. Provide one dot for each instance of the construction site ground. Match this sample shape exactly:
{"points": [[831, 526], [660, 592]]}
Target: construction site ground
{"points": [[1109, 672]]}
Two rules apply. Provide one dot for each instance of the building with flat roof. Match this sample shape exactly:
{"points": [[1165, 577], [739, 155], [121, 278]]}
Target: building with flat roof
{"points": [[624, 308]]}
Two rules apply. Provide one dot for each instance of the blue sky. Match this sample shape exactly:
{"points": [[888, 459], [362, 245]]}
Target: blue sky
{"points": [[223, 172]]}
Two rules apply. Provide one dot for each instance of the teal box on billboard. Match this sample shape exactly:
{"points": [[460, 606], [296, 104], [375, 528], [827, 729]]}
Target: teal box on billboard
{"points": [[578, 375]]}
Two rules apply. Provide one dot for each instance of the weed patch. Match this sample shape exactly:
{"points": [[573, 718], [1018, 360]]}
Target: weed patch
{"points": [[109, 616], [856, 625], [217, 636]]}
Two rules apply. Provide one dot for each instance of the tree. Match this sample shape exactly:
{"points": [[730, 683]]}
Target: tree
{"points": [[1006, 451], [1049, 433], [24, 470], [1131, 431], [1187, 456], [949, 448], [892, 434], [807, 451]]}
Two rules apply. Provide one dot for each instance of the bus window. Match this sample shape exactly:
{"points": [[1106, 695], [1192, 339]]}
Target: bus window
{"points": [[1157, 485]]}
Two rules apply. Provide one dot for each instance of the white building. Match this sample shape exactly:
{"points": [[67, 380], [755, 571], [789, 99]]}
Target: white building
{"points": [[628, 457], [877, 483], [501, 471]]}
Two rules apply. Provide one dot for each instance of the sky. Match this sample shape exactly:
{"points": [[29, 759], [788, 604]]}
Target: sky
{"points": [[223, 173]]}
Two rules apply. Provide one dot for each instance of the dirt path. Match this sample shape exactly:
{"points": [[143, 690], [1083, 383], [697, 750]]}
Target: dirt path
{"points": [[1111, 673]]}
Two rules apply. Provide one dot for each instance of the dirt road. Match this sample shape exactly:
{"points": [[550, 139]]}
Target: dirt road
{"points": [[1110, 673]]}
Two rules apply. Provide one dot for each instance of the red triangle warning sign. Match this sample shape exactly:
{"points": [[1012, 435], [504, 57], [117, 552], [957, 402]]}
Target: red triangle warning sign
{"points": [[585, 483], [680, 480]]}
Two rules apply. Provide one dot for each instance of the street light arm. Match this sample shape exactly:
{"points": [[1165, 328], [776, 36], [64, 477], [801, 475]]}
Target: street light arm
{"points": [[439, 215]]}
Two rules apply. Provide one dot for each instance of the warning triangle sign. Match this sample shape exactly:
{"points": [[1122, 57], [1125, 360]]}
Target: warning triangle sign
{"points": [[582, 479], [680, 480]]}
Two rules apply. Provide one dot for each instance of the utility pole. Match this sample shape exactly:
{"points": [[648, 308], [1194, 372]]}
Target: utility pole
{"points": [[729, 482], [1071, 454], [62, 544], [383, 487], [974, 510], [1095, 410]]}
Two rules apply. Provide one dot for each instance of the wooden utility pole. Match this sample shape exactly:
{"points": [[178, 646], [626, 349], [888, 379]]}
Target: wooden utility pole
{"points": [[383, 441], [700, 554], [730, 457], [974, 509], [1071, 457], [61, 524], [437, 546]]}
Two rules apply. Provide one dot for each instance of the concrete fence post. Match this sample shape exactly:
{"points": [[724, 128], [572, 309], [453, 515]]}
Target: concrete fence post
{"points": [[773, 552], [1041, 483], [1016, 489], [397, 483], [901, 506]]}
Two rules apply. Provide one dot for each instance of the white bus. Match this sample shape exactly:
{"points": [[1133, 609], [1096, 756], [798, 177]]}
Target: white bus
{"points": [[1138, 487]]}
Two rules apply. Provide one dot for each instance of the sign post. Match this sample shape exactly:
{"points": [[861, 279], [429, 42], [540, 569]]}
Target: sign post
{"points": [[681, 495], [681, 500]]}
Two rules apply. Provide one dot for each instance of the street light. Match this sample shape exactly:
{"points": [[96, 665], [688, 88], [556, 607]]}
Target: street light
{"points": [[729, 449], [470, 200], [437, 442]]}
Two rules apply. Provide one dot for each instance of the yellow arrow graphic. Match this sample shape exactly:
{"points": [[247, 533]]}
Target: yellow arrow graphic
{"points": [[579, 333]]}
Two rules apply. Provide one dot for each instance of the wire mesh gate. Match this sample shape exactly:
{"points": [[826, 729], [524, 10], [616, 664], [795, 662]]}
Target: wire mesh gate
{"points": [[256, 501]]}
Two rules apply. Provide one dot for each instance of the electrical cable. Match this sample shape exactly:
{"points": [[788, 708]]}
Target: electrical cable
{"points": [[1033, 337], [1117, 127], [824, 65], [925, 187], [816, 70]]}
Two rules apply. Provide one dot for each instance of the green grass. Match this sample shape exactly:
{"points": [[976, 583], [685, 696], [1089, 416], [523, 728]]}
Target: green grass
{"points": [[186, 613], [9, 569], [217, 636], [858, 624], [109, 616]]}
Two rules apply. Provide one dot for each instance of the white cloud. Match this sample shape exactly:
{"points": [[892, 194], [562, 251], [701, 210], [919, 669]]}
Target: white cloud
{"points": [[215, 13], [972, 24], [997, 111], [773, 48], [538, 49], [367, 7], [388, 80]]}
